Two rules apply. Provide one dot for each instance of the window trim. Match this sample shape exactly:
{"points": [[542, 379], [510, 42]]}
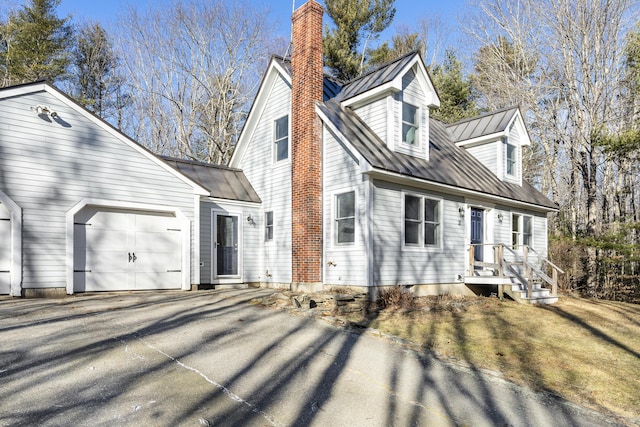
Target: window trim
{"points": [[336, 219], [518, 235], [422, 220], [269, 227], [415, 125], [276, 140], [511, 161]]}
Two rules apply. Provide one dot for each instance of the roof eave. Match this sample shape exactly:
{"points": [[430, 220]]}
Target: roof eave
{"points": [[393, 176]]}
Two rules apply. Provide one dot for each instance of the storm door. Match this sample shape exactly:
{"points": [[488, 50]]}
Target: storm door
{"points": [[226, 245], [477, 233]]}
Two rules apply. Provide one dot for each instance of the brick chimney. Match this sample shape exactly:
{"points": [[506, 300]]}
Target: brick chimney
{"points": [[306, 144]]}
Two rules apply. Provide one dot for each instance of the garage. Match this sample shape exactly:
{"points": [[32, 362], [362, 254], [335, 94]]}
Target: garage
{"points": [[5, 250], [117, 250]]}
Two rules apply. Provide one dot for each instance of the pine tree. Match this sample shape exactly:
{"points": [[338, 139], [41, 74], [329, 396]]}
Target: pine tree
{"points": [[356, 23], [95, 81], [34, 44], [455, 92]]}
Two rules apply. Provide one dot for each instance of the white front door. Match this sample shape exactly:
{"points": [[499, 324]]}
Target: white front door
{"points": [[126, 250], [5, 250], [226, 245]]}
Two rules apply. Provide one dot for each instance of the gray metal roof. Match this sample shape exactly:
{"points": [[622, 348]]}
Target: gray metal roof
{"points": [[486, 124], [330, 88], [384, 74], [221, 181], [448, 164]]}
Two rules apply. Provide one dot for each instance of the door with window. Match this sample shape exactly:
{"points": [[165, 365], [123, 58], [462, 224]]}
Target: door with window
{"points": [[226, 245], [477, 233]]}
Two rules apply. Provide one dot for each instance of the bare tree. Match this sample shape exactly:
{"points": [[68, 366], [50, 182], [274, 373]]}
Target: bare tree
{"points": [[193, 68], [562, 61]]}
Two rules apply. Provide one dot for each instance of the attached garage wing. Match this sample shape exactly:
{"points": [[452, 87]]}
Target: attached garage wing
{"points": [[116, 250]]}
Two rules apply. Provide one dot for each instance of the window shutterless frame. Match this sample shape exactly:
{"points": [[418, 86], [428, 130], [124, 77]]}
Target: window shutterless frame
{"points": [[281, 139], [345, 218], [268, 226], [422, 221], [410, 123], [511, 160]]}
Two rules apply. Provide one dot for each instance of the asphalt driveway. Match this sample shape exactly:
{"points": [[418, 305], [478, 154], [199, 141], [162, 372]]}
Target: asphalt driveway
{"points": [[210, 358]]}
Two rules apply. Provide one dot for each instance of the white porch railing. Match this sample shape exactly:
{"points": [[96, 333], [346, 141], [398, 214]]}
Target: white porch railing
{"points": [[527, 267]]}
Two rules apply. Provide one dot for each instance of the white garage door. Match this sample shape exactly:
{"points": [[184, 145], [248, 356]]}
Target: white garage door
{"points": [[126, 250], [5, 250]]}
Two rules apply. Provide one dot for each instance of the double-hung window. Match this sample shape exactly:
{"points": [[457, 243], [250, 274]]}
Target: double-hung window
{"points": [[511, 163], [281, 138], [345, 218], [410, 124], [268, 226], [421, 221], [521, 230]]}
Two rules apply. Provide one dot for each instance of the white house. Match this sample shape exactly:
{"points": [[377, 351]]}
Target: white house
{"points": [[331, 184], [390, 196]]}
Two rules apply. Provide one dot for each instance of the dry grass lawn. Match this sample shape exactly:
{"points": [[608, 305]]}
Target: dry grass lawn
{"points": [[587, 351]]}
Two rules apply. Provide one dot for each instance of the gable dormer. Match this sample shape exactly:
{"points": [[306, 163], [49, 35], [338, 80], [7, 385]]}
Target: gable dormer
{"points": [[496, 140], [394, 102]]}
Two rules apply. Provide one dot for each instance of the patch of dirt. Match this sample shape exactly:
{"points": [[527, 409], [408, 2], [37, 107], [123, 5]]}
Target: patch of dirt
{"points": [[353, 309]]}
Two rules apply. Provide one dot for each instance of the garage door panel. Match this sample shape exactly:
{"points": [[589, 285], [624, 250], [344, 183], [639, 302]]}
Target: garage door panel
{"points": [[127, 250], [157, 261], [98, 240], [158, 280], [107, 261], [154, 223], [106, 281], [5, 251], [157, 242]]}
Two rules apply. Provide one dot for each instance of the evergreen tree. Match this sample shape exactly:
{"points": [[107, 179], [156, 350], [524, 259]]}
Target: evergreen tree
{"points": [[34, 44], [401, 44], [455, 92], [96, 83], [356, 23]]}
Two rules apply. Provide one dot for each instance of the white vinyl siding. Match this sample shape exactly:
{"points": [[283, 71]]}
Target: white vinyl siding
{"points": [[49, 166], [375, 116], [344, 264], [272, 185], [393, 265], [487, 154]]}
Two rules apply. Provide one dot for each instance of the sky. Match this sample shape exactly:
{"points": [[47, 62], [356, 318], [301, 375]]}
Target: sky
{"points": [[407, 11]]}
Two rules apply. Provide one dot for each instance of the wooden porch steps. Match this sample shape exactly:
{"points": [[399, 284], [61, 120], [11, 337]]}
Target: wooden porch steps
{"points": [[514, 289], [520, 274], [539, 295]]}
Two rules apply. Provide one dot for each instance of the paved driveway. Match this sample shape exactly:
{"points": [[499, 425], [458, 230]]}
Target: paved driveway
{"points": [[209, 358]]}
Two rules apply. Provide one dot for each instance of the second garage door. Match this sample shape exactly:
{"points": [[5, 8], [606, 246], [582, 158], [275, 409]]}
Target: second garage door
{"points": [[126, 250], [5, 250]]}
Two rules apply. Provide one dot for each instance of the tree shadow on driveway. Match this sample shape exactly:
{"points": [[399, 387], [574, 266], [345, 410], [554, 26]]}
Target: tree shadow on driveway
{"points": [[212, 358]]}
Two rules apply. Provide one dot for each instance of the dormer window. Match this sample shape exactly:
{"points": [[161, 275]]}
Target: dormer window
{"points": [[409, 124], [511, 160]]}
